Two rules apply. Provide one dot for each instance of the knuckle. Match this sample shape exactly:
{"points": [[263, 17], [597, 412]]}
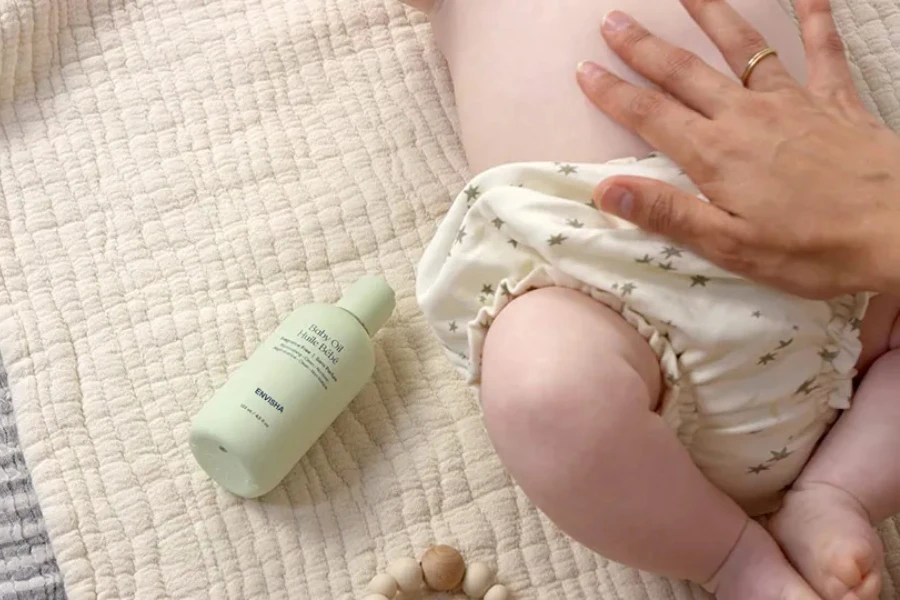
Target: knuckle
{"points": [[810, 7], [829, 41], [777, 100], [700, 4], [768, 108], [633, 40], [848, 100], [604, 88], [730, 251], [747, 41], [679, 66], [662, 215], [645, 105], [713, 148]]}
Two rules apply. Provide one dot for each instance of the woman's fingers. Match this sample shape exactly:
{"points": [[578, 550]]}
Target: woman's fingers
{"points": [[660, 120], [829, 70], [739, 42], [663, 209], [679, 72]]}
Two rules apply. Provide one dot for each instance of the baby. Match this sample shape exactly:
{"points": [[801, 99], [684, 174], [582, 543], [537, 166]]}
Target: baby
{"points": [[665, 413]]}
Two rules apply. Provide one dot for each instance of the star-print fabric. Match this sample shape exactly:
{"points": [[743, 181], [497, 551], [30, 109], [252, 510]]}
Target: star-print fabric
{"points": [[754, 377]]}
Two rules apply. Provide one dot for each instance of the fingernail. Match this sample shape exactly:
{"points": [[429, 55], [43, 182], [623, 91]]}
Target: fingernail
{"points": [[618, 201], [590, 69], [616, 21]]}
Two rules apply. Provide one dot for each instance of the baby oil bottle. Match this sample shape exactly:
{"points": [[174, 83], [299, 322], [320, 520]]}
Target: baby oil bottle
{"points": [[275, 406]]}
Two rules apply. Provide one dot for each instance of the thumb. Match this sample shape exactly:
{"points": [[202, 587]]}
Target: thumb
{"points": [[661, 208]]}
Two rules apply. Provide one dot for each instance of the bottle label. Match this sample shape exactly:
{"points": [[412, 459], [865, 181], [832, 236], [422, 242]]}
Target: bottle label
{"points": [[272, 401], [314, 350], [255, 414]]}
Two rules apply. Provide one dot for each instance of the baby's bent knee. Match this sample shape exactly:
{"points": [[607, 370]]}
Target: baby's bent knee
{"points": [[558, 382], [556, 352]]}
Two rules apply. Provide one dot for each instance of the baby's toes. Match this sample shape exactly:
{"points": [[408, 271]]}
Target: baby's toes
{"points": [[848, 564], [870, 588], [828, 537], [850, 570]]}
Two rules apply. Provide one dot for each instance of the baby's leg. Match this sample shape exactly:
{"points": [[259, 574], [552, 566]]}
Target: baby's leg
{"points": [[851, 482], [568, 390]]}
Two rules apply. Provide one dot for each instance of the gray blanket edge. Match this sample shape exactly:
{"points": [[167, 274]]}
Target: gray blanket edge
{"points": [[28, 569]]}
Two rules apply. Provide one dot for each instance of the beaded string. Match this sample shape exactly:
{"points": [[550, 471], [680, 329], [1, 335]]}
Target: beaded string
{"points": [[442, 569]]}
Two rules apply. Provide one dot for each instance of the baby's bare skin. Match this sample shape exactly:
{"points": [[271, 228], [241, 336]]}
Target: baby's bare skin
{"points": [[513, 65]]}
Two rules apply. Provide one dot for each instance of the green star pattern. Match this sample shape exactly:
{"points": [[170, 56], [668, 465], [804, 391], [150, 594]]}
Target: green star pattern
{"points": [[672, 251], [575, 223], [758, 469], [785, 343], [666, 266], [757, 315], [778, 455], [453, 326], [628, 288], [807, 387], [855, 324], [766, 359], [504, 289], [568, 169], [472, 193], [644, 261], [700, 280], [557, 240], [498, 222], [827, 355], [461, 234], [513, 243], [487, 289]]}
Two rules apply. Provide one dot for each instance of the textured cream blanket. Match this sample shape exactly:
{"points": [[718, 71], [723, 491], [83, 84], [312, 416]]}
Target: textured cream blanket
{"points": [[175, 177]]}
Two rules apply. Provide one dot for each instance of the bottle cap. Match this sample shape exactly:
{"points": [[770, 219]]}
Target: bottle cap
{"points": [[370, 300]]}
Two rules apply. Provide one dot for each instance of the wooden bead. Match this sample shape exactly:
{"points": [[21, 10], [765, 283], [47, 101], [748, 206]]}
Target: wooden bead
{"points": [[407, 573], [383, 584], [443, 568], [498, 592], [478, 580]]}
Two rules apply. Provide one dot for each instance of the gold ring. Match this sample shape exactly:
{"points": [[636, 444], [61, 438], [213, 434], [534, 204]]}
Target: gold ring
{"points": [[754, 62]]}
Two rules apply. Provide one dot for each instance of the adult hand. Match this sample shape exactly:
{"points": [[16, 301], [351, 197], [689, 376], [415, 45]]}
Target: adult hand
{"points": [[802, 183]]}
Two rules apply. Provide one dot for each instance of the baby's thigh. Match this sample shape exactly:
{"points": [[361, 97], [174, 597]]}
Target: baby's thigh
{"points": [[880, 329], [513, 64]]}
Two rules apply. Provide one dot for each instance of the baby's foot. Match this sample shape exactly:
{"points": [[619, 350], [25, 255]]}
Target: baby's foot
{"points": [[826, 534], [757, 570]]}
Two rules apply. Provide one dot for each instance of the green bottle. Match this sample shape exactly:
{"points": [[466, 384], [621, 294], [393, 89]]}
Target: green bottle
{"points": [[277, 404]]}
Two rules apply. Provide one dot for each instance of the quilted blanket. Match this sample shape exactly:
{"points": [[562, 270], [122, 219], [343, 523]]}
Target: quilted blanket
{"points": [[175, 177]]}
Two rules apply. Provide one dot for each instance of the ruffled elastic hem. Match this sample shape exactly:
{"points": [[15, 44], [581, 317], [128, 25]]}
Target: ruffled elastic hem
{"points": [[678, 407], [844, 348]]}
